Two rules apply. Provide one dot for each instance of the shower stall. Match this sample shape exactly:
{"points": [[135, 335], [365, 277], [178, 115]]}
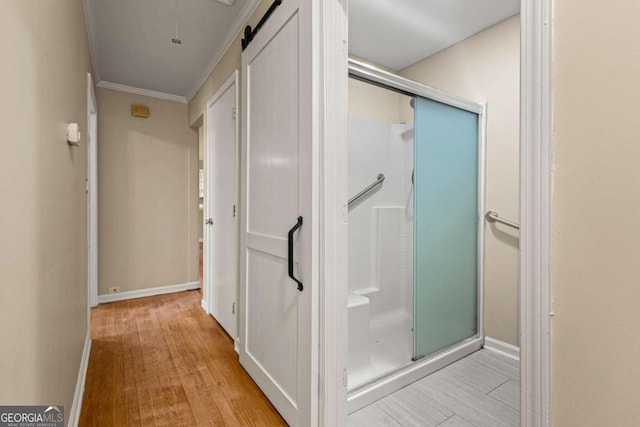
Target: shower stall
{"points": [[415, 236]]}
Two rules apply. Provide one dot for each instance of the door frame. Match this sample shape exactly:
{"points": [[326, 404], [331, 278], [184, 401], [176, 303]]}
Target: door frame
{"points": [[92, 193], [535, 213], [333, 110], [206, 230], [536, 309]]}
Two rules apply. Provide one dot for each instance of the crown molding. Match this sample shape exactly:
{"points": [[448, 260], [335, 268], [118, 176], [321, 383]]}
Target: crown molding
{"points": [[143, 92], [236, 27]]}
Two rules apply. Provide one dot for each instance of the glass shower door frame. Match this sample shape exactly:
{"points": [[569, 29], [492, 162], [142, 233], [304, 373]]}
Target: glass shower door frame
{"points": [[386, 384]]}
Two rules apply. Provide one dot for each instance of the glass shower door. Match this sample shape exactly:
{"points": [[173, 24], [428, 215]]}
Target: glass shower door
{"points": [[445, 226]]}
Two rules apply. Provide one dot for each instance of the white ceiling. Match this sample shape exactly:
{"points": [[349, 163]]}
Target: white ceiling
{"points": [[131, 40], [400, 33]]}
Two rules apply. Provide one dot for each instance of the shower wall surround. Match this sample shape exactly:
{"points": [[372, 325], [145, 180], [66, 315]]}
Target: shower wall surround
{"points": [[380, 248]]}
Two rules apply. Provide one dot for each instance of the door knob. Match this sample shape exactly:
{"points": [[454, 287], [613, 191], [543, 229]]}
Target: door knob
{"points": [[209, 221]]}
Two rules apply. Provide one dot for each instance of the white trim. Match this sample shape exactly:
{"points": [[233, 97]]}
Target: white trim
{"points": [[363, 396], [503, 348], [236, 28], [231, 80], [236, 345], [89, 25], [140, 293], [144, 92], [200, 239], [91, 96], [205, 305], [333, 354], [482, 197], [535, 213], [92, 195], [76, 406]]}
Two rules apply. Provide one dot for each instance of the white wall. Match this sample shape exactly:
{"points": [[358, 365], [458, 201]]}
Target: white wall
{"points": [[381, 244], [381, 226]]}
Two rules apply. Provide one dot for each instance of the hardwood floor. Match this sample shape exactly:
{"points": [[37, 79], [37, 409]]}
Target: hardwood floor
{"points": [[161, 361]]}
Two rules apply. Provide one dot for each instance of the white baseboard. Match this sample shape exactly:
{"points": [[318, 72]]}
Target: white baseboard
{"points": [[149, 292], [204, 305], [236, 345], [503, 348], [76, 407]]}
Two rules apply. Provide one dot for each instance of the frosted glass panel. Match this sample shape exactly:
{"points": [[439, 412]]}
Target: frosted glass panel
{"points": [[445, 225]]}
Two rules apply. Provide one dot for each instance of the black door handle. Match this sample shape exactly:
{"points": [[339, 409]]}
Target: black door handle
{"points": [[291, 232]]}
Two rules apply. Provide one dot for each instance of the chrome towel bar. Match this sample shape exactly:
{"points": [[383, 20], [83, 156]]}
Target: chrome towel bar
{"points": [[379, 180], [493, 216]]}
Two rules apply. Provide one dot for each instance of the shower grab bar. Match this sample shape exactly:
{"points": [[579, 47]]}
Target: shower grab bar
{"points": [[379, 180], [493, 216]]}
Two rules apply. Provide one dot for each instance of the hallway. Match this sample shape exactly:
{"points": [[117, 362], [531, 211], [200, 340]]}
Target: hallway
{"points": [[162, 361]]}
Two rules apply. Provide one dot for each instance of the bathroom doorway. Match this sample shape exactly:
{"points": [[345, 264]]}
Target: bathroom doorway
{"points": [[414, 308]]}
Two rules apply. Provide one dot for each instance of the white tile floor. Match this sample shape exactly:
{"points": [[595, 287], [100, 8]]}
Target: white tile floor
{"points": [[479, 390]]}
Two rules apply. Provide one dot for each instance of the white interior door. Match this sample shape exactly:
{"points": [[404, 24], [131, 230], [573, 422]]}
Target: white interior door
{"points": [[278, 326], [222, 222]]}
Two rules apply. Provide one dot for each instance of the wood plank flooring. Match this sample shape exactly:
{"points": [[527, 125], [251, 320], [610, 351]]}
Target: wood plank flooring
{"points": [[481, 390], [161, 361]]}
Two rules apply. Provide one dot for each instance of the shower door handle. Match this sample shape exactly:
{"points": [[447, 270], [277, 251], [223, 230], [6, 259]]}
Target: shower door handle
{"points": [[291, 233]]}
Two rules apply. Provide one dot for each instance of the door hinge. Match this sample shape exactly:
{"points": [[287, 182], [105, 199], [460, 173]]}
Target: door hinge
{"points": [[233, 113], [234, 211], [345, 377], [87, 187], [233, 308]]}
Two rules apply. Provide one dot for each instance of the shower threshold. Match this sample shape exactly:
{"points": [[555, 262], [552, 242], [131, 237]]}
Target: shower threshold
{"points": [[368, 393]]}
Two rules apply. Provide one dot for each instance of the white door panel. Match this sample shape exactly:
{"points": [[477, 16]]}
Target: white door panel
{"points": [[271, 272], [278, 326], [222, 170], [273, 155]]}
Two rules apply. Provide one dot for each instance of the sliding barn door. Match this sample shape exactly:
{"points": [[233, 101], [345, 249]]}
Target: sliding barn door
{"points": [[278, 337]]}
